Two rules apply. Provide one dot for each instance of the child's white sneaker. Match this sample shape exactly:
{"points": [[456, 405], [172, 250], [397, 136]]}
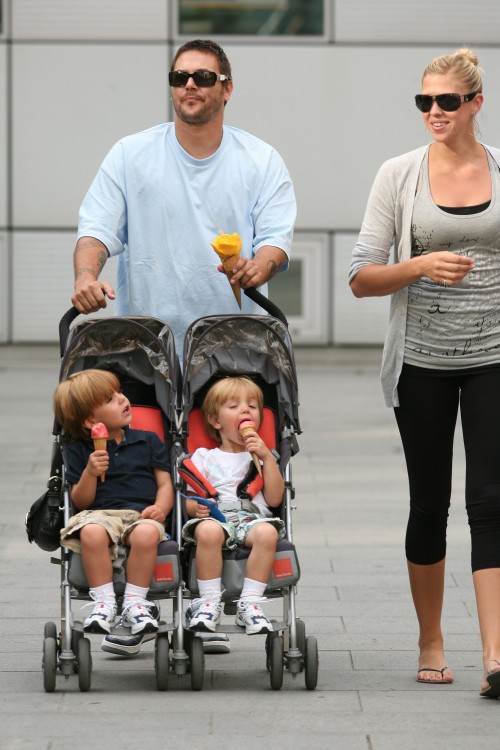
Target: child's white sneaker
{"points": [[138, 616], [204, 614], [101, 618], [250, 616]]}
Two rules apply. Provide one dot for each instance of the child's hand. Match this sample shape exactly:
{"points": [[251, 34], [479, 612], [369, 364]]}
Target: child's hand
{"points": [[202, 511], [196, 510], [255, 444], [98, 463], [154, 512]]}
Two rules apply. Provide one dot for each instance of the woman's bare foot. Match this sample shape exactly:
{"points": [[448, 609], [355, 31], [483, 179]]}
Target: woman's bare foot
{"points": [[432, 667], [490, 684]]}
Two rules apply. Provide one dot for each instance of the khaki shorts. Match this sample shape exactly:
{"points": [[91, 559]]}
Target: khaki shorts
{"points": [[235, 533], [118, 524]]}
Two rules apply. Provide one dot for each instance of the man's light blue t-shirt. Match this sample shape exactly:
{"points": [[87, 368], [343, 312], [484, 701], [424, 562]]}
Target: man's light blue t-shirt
{"points": [[157, 208]]}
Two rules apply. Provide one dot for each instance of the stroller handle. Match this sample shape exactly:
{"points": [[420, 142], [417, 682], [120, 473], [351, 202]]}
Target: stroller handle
{"points": [[266, 304], [64, 324], [252, 293]]}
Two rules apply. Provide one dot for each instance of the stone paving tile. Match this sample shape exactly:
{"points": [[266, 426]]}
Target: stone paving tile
{"points": [[351, 498]]}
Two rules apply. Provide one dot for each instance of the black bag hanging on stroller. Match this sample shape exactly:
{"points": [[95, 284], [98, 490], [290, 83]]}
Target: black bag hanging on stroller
{"points": [[44, 520]]}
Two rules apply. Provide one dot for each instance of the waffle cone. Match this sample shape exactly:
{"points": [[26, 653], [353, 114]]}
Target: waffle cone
{"points": [[100, 445], [245, 431], [228, 247], [229, 264]]}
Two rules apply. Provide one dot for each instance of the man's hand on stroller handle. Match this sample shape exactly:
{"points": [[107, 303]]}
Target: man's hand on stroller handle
{"points": [[89, 259], [90, 295]]}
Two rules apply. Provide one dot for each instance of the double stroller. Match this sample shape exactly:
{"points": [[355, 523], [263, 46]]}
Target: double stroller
{"points": [[141, 352]]}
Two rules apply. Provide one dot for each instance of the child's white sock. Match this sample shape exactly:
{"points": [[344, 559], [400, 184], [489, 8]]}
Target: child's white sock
{"points": [[104, 593], [132, 593], [252, 590], [210, 588]]}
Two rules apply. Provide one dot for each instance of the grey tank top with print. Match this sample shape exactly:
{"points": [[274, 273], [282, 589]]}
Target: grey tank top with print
{"points": [[458, 326]]}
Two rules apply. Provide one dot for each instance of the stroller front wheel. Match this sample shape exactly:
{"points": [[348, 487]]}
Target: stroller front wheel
{"points": [[84, 664], [276, 654], [50, 630], [197, 663], [161, 662], [311, 662], [49, 664]]}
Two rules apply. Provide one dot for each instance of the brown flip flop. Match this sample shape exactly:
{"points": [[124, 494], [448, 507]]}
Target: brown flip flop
{"points": [[434, 682]]}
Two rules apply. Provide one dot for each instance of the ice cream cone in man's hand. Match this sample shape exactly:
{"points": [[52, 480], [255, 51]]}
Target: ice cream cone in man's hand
{"points": [[247, 428], [99, 435], [228, 248]]}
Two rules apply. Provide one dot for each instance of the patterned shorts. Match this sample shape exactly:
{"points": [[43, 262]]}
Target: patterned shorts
{"points": [[118, 524], [236, 533]]}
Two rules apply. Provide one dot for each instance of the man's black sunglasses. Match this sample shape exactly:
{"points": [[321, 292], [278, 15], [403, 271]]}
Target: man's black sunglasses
{"points": [[446, 102], [202, 78]]}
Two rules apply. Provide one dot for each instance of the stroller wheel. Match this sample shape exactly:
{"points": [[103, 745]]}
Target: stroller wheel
{"points": [[76, 636], [311, 662], [49, 664], [50, 630], [84, 664], [276, 653], [197, 663], [301, 637], [161, 662]]}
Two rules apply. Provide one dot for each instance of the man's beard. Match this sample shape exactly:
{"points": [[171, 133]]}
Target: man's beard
{"points": [[201, 115]]}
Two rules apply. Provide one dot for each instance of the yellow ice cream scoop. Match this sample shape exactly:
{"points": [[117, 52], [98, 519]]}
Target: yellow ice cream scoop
{"points": [[228, 248]]}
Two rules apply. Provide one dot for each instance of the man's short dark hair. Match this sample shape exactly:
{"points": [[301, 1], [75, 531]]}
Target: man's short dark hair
{"points": [[206, 45]]}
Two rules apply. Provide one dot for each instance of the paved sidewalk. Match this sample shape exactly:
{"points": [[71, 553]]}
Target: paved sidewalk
{"points": [[353, 595]]}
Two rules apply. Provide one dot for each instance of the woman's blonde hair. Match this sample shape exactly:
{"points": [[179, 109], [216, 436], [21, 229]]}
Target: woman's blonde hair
{"points": [[223, 390], [463, 64], [76, 398]]}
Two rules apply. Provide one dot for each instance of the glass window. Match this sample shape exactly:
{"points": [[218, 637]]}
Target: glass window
{"points": [[251, 17], [285, 289]]}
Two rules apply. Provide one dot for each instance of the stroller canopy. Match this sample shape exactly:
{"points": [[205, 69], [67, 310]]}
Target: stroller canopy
{"points": [[141, 348], [257, 346]]}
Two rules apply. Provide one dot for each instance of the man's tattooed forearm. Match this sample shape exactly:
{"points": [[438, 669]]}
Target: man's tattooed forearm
{"points": [[84, 245], [272, 268], [80, 271], [101, 260]]}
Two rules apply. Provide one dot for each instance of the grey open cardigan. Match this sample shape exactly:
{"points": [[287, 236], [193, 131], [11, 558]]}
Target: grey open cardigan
{"points": [[387, 224]]}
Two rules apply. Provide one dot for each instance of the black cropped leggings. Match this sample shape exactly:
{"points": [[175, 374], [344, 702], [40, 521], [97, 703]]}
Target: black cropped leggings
{"points": [[427, 416]]}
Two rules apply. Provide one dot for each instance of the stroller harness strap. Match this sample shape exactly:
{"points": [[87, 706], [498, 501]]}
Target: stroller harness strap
{"points": [[247, 489]]}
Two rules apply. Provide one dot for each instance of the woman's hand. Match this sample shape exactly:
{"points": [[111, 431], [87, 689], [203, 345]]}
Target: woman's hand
{"points": [[446, 268]]}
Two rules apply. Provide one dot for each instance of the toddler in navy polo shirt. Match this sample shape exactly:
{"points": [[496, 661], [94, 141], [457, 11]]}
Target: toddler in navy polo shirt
{"points": [[129, 507]]}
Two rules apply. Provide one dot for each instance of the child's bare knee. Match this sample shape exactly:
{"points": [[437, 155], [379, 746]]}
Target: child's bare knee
{"points": [[93, 535], [144, 535], [264, 533], [209, 532]]}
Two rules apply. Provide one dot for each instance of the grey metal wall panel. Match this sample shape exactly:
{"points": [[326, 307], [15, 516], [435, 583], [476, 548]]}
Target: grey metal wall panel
{"points": [[446, 22], [336, 113], [70, 104], [90, 19], [5, 299], [43, 280], [355, 321], [4, 113]]}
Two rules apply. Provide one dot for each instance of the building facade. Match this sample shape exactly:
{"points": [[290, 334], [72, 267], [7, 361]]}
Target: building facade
{"points": [[329, 83]]}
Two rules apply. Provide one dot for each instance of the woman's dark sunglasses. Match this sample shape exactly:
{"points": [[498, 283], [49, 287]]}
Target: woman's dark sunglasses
{"points": [[202, 78], [446, 102]]}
